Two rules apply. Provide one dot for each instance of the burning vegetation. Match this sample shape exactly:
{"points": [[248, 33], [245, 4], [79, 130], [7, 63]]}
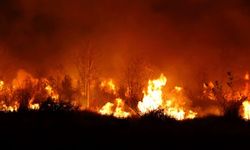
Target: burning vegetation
{"points": [[26, 93], [129, 69], [125, 59]]}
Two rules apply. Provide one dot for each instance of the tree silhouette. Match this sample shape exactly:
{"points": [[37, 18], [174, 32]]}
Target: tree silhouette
{"points": [[136, 76], [67, 90], [85, 62]]}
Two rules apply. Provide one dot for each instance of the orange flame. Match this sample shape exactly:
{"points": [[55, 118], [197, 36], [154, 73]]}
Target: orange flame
{"points": [[246, 77], [153, 100], [246, 110], [108, 86], [107, 109], [51, 92], [118, 112]]}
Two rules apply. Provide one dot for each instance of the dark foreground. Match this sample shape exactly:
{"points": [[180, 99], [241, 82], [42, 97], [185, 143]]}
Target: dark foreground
{"points": [[46, 130]]}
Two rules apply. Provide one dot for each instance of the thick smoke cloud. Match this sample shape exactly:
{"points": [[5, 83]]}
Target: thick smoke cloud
{"points": [[184, 38]]}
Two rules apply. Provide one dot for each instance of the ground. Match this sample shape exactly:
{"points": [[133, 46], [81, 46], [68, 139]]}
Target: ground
{"points": [[85, 129]]}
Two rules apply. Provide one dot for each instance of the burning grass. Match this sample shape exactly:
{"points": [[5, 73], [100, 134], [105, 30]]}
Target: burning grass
{"points": [[27, 93]]}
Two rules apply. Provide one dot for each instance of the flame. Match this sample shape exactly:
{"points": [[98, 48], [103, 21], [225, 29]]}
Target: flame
{"points": [[178, 88], [51, 92], [1, 85], [208, 90], [152, 99], [179, 113], [107, 109], [172, 100], [246, 110], [118, 112], [227, 92], [10, 108], [246, 77], [108, 86], [33, 106], [176, 113]]}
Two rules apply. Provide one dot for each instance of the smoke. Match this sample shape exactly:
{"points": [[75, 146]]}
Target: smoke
{"points": [[183, 38]]}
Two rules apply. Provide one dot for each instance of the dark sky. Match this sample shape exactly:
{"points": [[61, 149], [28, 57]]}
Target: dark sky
{"points": [[180, 37]]}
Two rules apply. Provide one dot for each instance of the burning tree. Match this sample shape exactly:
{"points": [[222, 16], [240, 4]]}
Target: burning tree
{"points": [[228, 96], [85, 63], [23, 93], [136, 75], [175, 105], [67, 91]]}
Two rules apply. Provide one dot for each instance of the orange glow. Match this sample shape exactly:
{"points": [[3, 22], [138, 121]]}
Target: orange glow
{"points": [[246, 76], [178, 88], [108, 86]]}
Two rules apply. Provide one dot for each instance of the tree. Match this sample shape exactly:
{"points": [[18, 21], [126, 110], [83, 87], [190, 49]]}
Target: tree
{"points": [[67, 90], [85, 63], [227, 95], [136, 75], [24, 94]]}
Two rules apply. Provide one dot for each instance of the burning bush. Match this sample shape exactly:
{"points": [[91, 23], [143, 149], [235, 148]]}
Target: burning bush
{"points": [[47, 94], [230, 96]]}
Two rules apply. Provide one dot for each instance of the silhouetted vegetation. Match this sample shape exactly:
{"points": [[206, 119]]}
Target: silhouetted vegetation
{"points": [[59, 129], [50, 105]]}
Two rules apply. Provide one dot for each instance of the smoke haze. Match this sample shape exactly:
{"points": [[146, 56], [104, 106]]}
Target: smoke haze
{"points": [[183, 38]]}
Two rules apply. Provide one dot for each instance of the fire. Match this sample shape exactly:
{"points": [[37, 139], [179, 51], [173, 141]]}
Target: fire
{"points": [[11, 95], [10, 108], [176, 113], [118, 112], [246, 110], [1, 85], [173, 101], [153, 100], [246, 76], [107, 109], [51, 92], [178, 88], [33, 106], [180, 114], [108, 86]]}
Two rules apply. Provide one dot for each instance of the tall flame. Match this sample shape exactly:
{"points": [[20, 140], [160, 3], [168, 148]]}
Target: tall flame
{"points": [[246, 110], [152, 99]]}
